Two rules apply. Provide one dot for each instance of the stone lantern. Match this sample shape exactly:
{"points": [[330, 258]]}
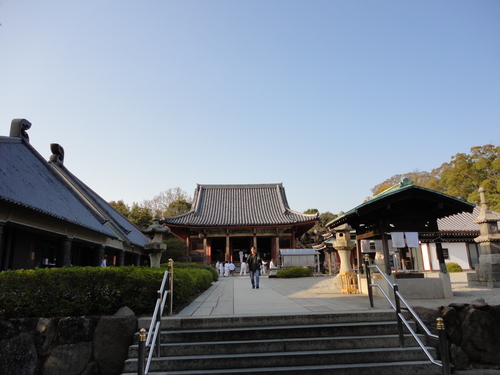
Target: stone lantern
{"points": [[343, 244], [488, 271], [155, 247]]}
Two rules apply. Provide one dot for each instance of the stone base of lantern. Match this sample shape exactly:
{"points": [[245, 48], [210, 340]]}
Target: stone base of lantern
{"points": [[348, 282]]}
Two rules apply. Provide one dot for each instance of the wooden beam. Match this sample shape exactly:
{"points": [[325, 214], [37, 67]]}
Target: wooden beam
{"points": [[370, 234]]}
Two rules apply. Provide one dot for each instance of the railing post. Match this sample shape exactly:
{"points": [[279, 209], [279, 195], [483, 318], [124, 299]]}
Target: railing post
{"points": [[369, 279], [141, 358], [158, 324], [398, 312], [171, 284], [443, 346]]}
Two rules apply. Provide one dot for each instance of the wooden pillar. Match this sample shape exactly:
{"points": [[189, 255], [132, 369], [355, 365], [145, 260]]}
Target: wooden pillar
{"points": [[64, 253], [205, 247], [121, 258], [98, 254], [188, 246], [2, 225], [277, 249], [208, 252], [228, 248]]}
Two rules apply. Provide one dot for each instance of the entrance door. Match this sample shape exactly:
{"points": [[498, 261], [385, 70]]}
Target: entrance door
{"points": [[218, 249], [264, 247], [240, 246]]}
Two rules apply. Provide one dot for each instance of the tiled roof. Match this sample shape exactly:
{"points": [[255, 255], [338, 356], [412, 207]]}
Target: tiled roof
{"points": [[29, 181], [406, 186], [240, 205], [463, 222]]}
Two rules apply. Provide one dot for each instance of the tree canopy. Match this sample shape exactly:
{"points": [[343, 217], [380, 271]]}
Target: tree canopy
{"points": [[461, 176], [160, 203]]}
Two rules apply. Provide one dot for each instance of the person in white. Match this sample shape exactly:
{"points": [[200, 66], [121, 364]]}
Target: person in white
{"points": [[217, 266], [226, 269], [241, 256], [232, 267], [221, 268], [263, 267], [243, 269], [271, 264]]}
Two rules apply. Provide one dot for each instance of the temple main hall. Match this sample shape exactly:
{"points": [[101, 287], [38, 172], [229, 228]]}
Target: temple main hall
{"points": [[227, 220]]}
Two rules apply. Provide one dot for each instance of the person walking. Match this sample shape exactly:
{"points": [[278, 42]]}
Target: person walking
{"points": [[254, 263], [243, 268]]}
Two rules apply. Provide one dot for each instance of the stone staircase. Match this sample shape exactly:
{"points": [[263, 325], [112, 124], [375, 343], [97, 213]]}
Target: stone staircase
{"points": [[342, 343]]}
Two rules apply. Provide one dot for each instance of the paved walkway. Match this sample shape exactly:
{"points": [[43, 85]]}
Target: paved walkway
{"points": [[235, 296]]}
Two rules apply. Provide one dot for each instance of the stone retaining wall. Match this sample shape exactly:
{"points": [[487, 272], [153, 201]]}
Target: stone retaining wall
{"points": [[67, 346], [472, 330]]}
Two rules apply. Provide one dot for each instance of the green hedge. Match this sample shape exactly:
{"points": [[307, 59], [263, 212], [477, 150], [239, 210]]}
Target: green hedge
{"points": [[212, 270], [77, 291], [294, 272], [453, 267]]}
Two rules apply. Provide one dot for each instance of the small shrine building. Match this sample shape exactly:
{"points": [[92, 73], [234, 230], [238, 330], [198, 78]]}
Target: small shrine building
{"points": [[227, 220]]}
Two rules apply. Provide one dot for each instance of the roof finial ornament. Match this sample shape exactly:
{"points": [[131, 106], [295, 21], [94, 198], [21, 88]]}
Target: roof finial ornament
{"points": [[19, 127], [57, 156]]}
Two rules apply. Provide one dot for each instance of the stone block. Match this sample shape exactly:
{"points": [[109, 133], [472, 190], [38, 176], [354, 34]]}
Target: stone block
{"points": [[69, 359], [113, 336], [74, 329], [18, 355]]}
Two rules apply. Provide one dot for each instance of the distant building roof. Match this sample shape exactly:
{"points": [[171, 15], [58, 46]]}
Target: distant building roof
{"points": [[240, 205], [27, 180], [462, 222]]}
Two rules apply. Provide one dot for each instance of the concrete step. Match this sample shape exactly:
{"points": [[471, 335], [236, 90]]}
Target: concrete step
{"points": [[189, 322], [399, 368], [283, 359], [280, 345], [282, 332], [340, 343]]}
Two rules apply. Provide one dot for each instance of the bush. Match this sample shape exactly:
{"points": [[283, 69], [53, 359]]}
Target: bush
{"points": [[212, 270], [294, 272], [453, 267], [77, 291]]}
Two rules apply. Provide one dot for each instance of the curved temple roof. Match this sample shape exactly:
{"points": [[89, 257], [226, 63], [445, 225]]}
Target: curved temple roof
{"points": [[48, 187], [240, 205]]}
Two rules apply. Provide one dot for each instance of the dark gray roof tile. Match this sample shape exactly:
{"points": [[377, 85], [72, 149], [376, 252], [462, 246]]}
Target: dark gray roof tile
{"points": [[240, 205], [27, 180]]}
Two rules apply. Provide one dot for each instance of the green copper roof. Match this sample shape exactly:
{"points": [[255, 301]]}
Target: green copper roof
{"points": [[405, 185]]}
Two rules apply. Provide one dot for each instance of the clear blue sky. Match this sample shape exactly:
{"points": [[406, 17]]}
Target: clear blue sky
{"points": [[328, 97]]}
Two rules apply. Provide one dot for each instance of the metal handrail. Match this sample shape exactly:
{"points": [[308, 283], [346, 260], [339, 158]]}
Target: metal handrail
{"points": [[402, 320], [153, 340]]}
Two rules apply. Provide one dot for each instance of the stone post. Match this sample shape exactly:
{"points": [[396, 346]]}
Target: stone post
{"points": [[155, 247], [488, 271]]}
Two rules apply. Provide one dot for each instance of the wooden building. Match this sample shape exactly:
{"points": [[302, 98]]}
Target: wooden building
{"points": [[227, 220], [50, 218]]}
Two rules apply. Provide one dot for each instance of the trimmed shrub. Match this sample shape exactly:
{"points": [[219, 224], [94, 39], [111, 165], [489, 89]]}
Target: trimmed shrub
{"points": [[76, 291], [453, 267], [294, 272], [212, 270]]}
